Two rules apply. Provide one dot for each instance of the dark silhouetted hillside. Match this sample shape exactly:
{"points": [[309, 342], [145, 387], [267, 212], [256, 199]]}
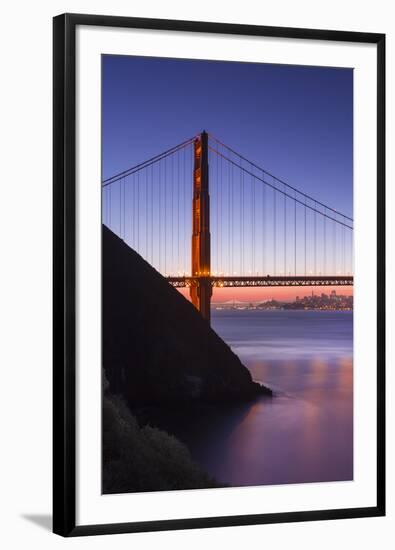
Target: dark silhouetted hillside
{"points": [[157, 349]]}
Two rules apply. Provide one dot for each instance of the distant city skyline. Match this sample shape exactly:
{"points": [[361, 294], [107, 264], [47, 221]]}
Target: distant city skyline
{"points": [[315, 293]]}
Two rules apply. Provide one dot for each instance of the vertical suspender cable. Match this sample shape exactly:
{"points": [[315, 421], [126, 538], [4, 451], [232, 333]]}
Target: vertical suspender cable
{"points": [[253, 224], [263, 227], [240, 232], [165, 191], [120, 207], [305, 251], [295, 236], [133, 192], [124, 209], [324, 242], [138, 212], [285, 235], [242, 220], [275, 231], [315, 238], [217, 161], [334, 247], [160, 217], [172, 212], [222, 222], [109, 204], [146, 215], [184, 209], [229, 268], [221, 232], [123, 196], [178, 213], [130, 204], [233, 221], [152, 214]]}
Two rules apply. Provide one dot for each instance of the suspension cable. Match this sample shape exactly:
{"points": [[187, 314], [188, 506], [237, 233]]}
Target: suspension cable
{"points": [[284, 192], [146, 163], [276, 178]]}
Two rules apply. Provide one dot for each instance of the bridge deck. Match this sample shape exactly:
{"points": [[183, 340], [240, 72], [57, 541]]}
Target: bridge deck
{"points": [[268, 281]]}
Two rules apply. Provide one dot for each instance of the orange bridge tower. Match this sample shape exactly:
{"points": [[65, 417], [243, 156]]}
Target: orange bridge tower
{"points": [[201, 289]]}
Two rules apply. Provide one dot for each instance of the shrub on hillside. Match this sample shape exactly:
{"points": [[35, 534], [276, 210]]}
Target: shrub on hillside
{"points": [[144, 458]]}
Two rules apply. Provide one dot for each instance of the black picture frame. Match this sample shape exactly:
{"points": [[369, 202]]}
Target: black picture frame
{"points": [[64, 273]]}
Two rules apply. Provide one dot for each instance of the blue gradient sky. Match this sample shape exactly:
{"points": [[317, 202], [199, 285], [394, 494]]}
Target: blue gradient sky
{"points": [[294, 121]]}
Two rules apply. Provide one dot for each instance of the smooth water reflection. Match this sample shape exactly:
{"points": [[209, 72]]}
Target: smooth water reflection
{"points": [[303, 434]]}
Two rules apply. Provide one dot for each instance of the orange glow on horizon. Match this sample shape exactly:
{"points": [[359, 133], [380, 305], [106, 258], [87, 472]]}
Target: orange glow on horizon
{"points": [[256, 294]]}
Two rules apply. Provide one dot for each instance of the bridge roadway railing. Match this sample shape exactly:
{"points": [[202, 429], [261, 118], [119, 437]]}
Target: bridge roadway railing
{"points": [[263, 281]]}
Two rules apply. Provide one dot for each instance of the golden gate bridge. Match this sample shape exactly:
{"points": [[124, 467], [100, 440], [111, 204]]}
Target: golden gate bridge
{"points": [[205, 216]]}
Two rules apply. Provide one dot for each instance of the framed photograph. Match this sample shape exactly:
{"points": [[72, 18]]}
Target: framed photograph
{"points": [[218, 274]]}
